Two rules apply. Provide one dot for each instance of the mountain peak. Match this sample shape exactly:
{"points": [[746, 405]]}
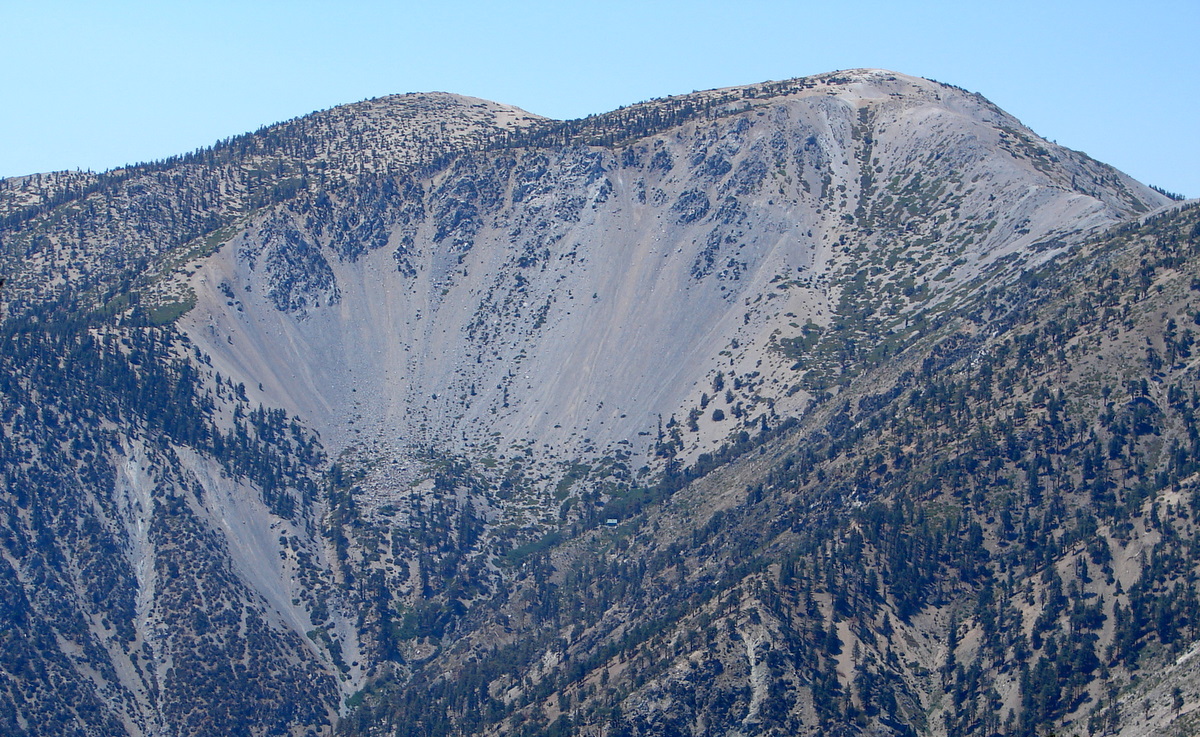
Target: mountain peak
{"points": [[743, 411]]}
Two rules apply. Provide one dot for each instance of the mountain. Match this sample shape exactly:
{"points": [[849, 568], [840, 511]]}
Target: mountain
{"points": [[844, 404]]}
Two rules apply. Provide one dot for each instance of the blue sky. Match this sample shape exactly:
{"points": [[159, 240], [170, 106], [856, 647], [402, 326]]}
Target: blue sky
{"points": [[97, 85]]}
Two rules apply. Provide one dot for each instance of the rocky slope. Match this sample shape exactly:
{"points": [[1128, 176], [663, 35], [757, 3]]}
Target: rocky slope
{"points": [[487, 414], [532, 296]]}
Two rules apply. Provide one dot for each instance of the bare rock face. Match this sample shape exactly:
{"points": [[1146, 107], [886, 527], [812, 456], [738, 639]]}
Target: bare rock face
{"points": [[574, 298], [347, 382]]}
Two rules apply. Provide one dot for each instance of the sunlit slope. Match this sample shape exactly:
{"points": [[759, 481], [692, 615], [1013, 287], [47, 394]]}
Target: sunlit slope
{"points": [[568, 298]]}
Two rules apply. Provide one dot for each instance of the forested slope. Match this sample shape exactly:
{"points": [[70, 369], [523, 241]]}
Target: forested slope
{"points": [[994, 534]]}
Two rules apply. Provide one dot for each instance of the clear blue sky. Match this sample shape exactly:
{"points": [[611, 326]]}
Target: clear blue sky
{"points": [[95, 85]]}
